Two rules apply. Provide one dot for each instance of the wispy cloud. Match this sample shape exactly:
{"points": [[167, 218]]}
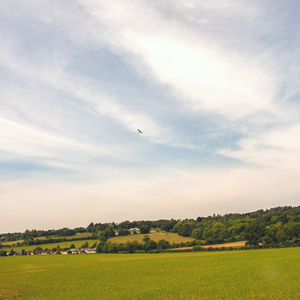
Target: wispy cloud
{"points": [[213, 86]]}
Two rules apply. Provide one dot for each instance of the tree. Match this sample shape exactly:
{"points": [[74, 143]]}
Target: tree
{"points": [[72, 246], [199, 219], [123, 232], [197, 233], [146, 239], [113, 248], [90, 227], [58, 251], [162, 244], [150, 245], [100, 247], [144, 229], [37, 250], [254, 233], [85, 245]]}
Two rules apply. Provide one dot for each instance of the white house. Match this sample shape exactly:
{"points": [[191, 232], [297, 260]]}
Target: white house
{"points": [[90, 251]]}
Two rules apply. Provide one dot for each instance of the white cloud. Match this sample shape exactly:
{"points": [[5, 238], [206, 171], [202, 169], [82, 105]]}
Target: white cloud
{"points": [[231, 82], [203, 74], [276, 148]]}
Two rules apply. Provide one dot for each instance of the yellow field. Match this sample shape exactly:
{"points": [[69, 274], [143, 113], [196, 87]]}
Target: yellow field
{"points": [[156, 236], [234, 245]]}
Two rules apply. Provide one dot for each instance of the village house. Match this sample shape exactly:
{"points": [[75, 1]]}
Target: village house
{"points": [[90, 251]]}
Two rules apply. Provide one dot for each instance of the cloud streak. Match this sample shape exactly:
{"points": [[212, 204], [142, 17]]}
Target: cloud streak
{"points": [[211, 84]]}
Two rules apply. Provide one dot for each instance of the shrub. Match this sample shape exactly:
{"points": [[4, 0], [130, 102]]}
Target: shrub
{"points": [[153, 251], [198, 248]]}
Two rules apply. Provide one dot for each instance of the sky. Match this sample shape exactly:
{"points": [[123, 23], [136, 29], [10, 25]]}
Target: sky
{"points": [[213, 86]]}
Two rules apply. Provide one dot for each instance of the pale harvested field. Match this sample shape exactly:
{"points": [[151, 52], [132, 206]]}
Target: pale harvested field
{"points": [[235, 244]]}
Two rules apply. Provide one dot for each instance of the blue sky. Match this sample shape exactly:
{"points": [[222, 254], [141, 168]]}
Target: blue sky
{"points": [[213, 85]]}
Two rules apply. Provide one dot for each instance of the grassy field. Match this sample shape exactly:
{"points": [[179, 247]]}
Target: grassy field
{"points": [[81, 235], [50, 246], [253, 274], [156, 236]]}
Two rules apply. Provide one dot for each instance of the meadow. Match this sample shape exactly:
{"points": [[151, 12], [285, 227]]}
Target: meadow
{"points": [[62, 245], [156, 236], [252, 274], [81, 235]]}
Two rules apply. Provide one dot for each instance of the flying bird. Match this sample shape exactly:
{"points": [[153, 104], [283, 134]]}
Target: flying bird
{"points": [[140, 131]]}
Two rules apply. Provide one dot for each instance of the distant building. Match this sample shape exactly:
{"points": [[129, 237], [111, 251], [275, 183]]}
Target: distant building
{"points": [[90, 251]]}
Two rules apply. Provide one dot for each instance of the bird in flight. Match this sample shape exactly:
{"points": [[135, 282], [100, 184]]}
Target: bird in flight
{"points": [[140, 131]]}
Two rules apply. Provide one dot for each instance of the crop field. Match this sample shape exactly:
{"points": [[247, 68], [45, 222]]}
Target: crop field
{"points": [[233, 245], [62, 245], [251, 274], [156, 236], [80, 235]]}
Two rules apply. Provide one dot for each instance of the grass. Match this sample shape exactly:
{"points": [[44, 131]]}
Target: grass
{"points": [[253, 274], [81, 235], [156, 236], [52, 245]]}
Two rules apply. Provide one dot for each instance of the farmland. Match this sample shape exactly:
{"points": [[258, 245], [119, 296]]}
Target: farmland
{"points": [[253, 274], [81, 235], [62, 245], [156, 236]]}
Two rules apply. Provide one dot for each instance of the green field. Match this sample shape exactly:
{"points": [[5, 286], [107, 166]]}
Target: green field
{"points": [[255, 274], [81, 235], [156, 236], [62, 245]]}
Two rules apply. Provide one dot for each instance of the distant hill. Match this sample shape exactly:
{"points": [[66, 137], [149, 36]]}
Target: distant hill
{"points": [[277, 225]]}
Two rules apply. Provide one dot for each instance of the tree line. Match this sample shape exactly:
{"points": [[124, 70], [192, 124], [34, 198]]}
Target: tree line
{"points": [[277, 225]]}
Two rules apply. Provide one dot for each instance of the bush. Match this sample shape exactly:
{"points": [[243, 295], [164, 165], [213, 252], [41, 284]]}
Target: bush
{"points": [[198, 248], [139, 251], [123, 232], [153, 251], [144, 229]]}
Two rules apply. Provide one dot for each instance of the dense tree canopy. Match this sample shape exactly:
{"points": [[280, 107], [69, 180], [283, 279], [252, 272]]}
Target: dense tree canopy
{"points": [[277, 225]]}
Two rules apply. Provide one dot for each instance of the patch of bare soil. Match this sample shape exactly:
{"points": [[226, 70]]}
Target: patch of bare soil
{"points": [[235, 244]]}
